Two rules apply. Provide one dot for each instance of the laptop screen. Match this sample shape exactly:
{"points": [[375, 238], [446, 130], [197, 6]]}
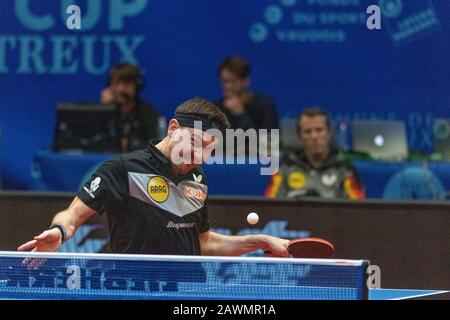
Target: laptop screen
{"points": [[384, 140], [86, 127]]}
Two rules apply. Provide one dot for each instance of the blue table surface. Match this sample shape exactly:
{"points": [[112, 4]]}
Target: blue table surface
{"points": [[394, 294]]}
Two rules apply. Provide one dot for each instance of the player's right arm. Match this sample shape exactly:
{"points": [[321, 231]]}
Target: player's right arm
{"points": [[71, 218], [107, 185]]}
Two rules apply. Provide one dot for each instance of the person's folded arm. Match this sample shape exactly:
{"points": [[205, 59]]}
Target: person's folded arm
{"points": [[244, 122]]}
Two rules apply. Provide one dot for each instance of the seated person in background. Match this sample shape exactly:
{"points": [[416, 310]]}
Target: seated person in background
{"points": [[317, 169], [138, 121], [245, 109]]}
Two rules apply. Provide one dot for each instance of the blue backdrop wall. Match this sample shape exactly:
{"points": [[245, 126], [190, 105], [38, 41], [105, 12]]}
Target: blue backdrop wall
{"points": [[303, 52]]}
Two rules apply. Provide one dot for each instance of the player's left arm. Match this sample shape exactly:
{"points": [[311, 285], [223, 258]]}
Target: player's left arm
{"points": [[216, 244]]}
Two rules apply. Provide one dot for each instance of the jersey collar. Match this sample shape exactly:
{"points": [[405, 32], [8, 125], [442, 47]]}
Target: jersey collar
{"points": [[158, 155]]}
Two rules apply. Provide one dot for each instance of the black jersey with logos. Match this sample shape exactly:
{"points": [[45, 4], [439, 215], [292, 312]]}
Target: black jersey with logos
{"points": [[149, 209]]}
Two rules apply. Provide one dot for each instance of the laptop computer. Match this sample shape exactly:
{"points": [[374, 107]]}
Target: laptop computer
{"points": [[382, 140], [441, 137], [86, 127]]}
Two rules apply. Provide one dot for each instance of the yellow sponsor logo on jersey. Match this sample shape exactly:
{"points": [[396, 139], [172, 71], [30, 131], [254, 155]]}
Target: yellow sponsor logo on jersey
{"points": [[296, 180], [158, 189]]}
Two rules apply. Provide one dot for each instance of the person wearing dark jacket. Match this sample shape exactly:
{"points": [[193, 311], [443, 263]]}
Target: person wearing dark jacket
{"points": [[317, 169], [138, 120], [245, 109]]}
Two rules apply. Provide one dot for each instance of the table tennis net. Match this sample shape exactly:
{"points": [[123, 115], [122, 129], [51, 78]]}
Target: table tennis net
{"points": [[107, 276]]}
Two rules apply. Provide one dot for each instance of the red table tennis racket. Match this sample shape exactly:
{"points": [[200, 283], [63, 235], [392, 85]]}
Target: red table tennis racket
{"points": [[313, 248]]}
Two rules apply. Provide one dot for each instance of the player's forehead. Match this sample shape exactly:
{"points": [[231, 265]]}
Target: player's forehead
{"points": [[197, 133], [313, 121]]}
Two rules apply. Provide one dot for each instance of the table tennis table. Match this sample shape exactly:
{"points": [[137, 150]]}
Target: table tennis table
{"points": [[110, 276], [408, 294]]}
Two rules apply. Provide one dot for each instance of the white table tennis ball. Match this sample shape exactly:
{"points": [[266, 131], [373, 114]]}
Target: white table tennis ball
{"points": [[252, 218]]}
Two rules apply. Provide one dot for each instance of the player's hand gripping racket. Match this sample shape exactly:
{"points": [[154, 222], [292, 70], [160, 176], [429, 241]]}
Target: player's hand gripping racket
{"points": [[313, 248]]}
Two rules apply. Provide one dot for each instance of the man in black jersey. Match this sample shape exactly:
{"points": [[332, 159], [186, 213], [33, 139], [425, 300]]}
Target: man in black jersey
{"points": [[155, 199]]}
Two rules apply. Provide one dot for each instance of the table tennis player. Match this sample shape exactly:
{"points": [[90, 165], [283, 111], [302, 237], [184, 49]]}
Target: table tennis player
{"points": [[154, 203]]}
